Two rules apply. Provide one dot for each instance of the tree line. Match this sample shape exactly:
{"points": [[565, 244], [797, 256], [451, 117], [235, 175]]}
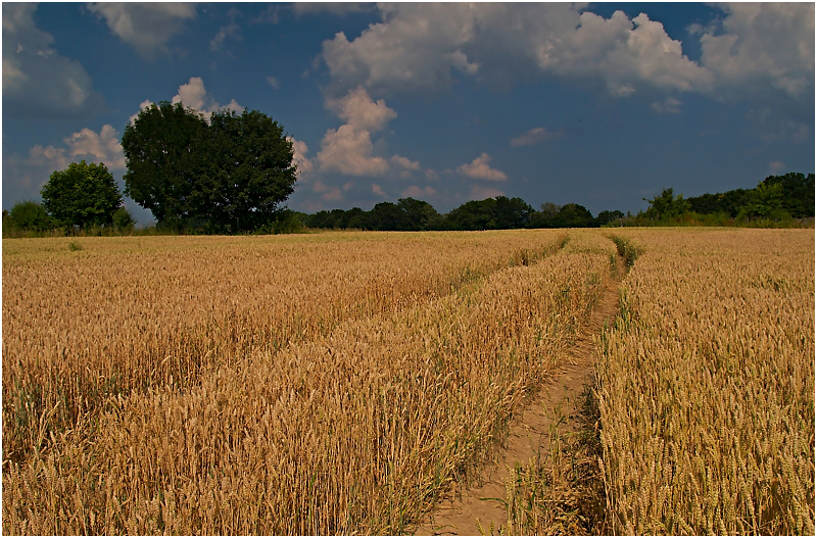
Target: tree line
{"points": [[501, 212], [231, 173]]}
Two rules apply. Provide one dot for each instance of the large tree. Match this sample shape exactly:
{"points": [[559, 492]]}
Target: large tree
{"points": [[82, 195], [228, 175], [163, 149]]}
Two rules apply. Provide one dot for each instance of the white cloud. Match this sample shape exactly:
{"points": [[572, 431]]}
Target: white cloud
{"points": [[100, 147], [404, 162], [329, 193], [480, 168], [349, 149], [231, 30], [422, 46], [35, 78], [147, 27], [193, 94], [763, 45], [405, 166], [534, 136], [670, 105], [378, 191], [302, 162], [361, 112], [432, 174], [273, 82], [24, 176], [143, 105], [415, 191]]}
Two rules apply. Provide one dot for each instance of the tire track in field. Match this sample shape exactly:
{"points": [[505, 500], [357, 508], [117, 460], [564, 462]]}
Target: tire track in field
{"points": [[481, 509]]}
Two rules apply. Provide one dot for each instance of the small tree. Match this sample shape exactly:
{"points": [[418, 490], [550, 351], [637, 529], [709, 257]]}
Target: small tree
{"points": [[83, 194], [666, 205], [30, 216], [122, 220]]}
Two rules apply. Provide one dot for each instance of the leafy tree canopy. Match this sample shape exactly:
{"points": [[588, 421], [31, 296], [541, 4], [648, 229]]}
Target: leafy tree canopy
{"points": [[229, 175], [30, 216], [83, 195]]}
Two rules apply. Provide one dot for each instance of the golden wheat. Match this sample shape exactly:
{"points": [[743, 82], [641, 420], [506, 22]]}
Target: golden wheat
{"points": [[706, 388], [357, 426]]}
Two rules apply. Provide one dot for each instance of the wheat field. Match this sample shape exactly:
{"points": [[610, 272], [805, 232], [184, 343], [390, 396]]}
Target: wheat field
{"points": [[702, 416], [340, 383]]}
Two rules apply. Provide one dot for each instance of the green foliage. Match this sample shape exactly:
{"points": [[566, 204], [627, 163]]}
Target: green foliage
{"points": [[74, 246], [163, 149], [490, 214], [29, 216], [628, 252], [82, 195], [606, 218], [122, 220], [566, 216], [665, 205], [227, 176]]}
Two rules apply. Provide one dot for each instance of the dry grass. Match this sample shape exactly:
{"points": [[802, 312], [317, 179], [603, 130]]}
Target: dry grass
{"points": [[130, 314], [336, 385], [340, 383], [706, 389], [704, 397]]}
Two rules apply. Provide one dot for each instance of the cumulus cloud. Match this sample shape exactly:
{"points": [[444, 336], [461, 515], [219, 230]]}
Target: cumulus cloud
{"points": [[361, 112], [24, 176], [405, 166], [670, 105], [273, 82], [36, 79], [422, 47], [480, 168], [378, 191], [193, 94], [763, 44], [534, 136], [302, 162], [100, 147], [349, 149], [328, 193], [147, 27]]}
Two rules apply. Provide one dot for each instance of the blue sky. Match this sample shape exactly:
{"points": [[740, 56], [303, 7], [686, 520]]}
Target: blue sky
{"points": [[600, 104]]}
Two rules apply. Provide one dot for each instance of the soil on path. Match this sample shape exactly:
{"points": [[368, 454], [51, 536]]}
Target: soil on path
{"points": [[477, 510]]}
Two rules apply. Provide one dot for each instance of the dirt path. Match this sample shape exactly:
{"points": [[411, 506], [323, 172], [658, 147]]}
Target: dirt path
{"points": [[477, 511]]}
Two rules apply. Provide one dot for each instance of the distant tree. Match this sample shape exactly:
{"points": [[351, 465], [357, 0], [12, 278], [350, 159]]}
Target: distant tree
{"points": [[83, 195], [797, 193], [766, 201], [511, 213], [417, 214], [546, 218], [247, 174], [574, 216], [387, 216], [122, 220], [606, 217], [473, 215], [28, 216], [666, 205], [230, 175]]}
